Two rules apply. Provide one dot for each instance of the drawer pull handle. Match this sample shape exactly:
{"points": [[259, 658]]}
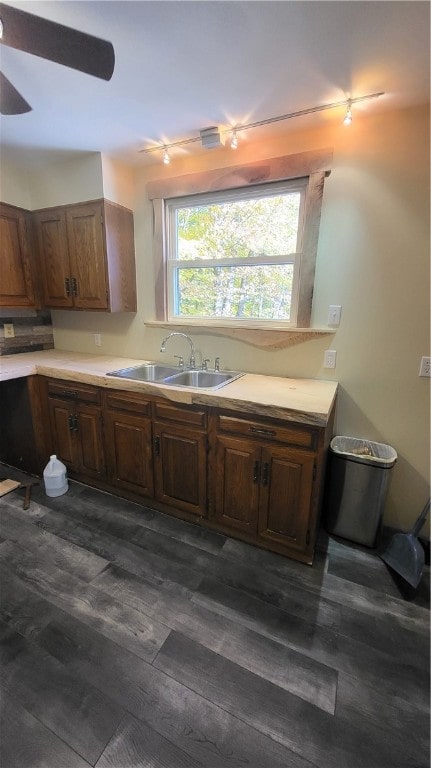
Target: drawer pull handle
{"points": [[266, 432], [69, 393], [265, 473], [256, 471], [67, 285]]}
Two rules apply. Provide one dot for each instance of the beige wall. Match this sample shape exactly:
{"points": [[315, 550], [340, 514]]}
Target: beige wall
{"points": [[14, 185], [69, 181], [373, 259]]}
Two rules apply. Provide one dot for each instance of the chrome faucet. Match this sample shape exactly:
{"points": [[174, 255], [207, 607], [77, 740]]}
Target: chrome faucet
{"points": [[192, 362]]}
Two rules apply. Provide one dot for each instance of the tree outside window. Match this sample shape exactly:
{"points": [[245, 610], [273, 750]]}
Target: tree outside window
{"points": [[233, 256]]}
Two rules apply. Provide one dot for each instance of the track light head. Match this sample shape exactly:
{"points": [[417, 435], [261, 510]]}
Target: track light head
{"points": [[348, 116], [234, 140]]}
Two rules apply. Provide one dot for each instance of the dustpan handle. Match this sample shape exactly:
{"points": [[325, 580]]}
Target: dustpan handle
{"points": [[421, 519]]}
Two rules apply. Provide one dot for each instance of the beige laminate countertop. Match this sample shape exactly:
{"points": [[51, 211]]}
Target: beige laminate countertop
{"points": [[308, 401]]}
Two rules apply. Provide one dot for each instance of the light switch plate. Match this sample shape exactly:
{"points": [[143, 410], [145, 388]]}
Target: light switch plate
{"points": [[334, 314]]}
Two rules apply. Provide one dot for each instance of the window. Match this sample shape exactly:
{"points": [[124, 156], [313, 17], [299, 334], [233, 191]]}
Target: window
{"points": [[235, 255], [236, 247]]}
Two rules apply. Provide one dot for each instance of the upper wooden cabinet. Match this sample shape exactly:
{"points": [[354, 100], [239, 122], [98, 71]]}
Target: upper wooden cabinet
{"points": [[17, 287], [87, 256]]}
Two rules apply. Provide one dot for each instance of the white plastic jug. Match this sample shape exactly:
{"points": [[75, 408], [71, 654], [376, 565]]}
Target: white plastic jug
{"points": [[54, 476]]}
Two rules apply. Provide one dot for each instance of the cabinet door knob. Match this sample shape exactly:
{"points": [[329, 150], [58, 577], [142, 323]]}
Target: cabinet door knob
{"points": [[73, 422]]}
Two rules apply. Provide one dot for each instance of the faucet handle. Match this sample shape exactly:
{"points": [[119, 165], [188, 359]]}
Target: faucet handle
{"points": [[217, 364], [205, 362], [180, 361]]}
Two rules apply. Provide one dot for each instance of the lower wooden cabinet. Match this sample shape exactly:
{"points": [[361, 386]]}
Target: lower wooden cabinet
{"points": [[128, 440], [263, 491], [287, 477], [260, 480], [265, 481], [180, 457], [236, 483], [76, 428]]}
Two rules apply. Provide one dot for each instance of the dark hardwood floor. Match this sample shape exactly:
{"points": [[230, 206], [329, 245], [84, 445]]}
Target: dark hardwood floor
{"points": [[130, 639]]}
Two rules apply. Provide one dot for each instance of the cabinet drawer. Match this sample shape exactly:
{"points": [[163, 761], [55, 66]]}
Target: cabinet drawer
{"points": [[293, 435], [72, 391], [183, 414], [128, 401]]}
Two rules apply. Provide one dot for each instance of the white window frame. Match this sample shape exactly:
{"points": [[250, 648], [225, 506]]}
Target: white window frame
{"points": [[173, 263], [313, 166]]}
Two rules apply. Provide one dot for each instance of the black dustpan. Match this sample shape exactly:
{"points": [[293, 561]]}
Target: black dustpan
{"points": [[405, 554]]}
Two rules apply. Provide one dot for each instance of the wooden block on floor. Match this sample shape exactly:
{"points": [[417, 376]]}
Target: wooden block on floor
{"points": [[6, 486]]}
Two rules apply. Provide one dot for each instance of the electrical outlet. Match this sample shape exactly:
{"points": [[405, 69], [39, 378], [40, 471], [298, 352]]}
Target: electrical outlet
{"points": [[98, 339], [424, 369], [9, 331], [334, 314], [330, 358]]}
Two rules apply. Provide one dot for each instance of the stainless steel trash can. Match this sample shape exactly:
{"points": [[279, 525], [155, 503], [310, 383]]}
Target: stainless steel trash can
{"points": [[358, 478]]}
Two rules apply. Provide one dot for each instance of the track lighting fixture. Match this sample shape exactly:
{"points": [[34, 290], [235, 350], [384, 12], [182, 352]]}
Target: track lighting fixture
{"points": [[211, 137]]}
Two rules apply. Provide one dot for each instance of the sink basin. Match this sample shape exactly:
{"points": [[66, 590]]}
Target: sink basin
{"points": [[202, 379], [173, 376], [145, 372]]}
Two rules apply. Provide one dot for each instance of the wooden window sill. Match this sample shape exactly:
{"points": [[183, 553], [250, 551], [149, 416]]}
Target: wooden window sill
{"points": [[265, 338]]}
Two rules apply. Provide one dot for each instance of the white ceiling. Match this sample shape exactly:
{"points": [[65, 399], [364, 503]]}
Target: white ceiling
{"points": [[182, 66]]}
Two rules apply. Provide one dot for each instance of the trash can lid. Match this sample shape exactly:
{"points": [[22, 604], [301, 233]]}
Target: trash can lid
{"points": [[364, 451]]}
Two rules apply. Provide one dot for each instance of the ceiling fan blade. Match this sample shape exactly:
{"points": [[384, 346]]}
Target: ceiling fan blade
{"points": [[58, 43], [11, 102]]}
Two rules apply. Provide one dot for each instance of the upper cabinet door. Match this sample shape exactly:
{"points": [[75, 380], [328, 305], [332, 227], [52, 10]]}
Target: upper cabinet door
{"points": [[87, 256], [86, 241], [16, 284], [51, 236]]}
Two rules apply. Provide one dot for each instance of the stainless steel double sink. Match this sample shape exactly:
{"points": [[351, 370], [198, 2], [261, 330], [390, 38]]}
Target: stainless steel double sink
{"points": [[176, 377]]}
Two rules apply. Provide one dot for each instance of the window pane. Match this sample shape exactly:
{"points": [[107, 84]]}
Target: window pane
{"points": [[266, 226], [253, 292]]}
